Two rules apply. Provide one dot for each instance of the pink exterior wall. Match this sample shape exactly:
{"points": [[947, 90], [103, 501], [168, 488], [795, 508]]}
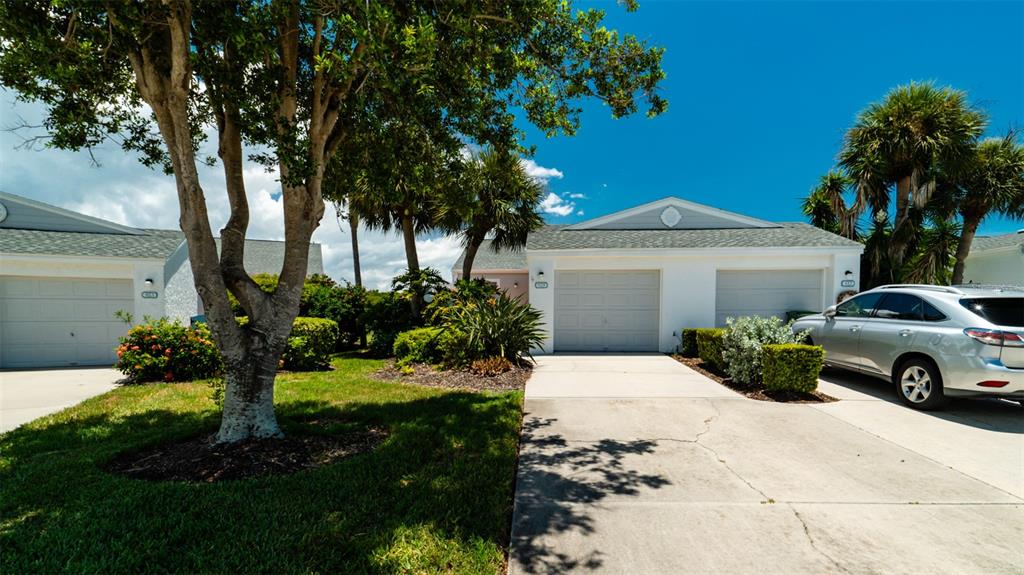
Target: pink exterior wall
{"points": [[515, 284]]}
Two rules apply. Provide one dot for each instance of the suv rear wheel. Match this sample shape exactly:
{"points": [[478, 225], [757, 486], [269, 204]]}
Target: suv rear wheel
{"points": [[919, 384]]}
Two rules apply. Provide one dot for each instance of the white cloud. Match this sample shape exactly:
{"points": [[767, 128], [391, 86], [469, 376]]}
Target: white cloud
{"points": [[579, 213], [557, 206], [578, 196], [540, 173], [124, 191]]}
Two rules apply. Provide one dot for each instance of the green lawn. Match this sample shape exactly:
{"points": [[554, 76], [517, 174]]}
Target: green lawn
{"points": [[434, 497]]}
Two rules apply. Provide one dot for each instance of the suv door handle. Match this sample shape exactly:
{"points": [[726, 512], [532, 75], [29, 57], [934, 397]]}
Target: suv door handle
{"points": [[906, 333], [854, 328]]}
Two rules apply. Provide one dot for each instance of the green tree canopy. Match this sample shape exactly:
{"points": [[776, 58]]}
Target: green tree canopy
{"points": [[293, 81]]}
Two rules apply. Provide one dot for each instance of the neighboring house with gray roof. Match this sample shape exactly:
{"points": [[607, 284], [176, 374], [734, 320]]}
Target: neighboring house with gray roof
{"points": [[996, 260], [631, 280], [63, 275]]}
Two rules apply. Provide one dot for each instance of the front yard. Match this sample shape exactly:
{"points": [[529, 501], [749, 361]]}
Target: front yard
{"points": [[435, 496]]}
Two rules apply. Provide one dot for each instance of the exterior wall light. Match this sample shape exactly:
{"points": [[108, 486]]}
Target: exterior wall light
{"points": [[149, 282], [540, 275]]}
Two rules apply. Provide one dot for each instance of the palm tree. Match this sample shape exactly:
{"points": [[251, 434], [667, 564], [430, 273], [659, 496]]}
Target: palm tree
{"points": [[905, 141], [353, 225], [495, 196], [826, 207], [992, 182]]}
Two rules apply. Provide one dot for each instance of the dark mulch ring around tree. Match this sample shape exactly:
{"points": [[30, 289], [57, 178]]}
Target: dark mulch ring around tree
{"points": [[753, 391], [199, 460], [430, 376]]}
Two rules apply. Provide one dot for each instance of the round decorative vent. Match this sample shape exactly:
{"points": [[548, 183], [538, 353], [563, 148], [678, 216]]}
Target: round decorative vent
{"points": [[3, 212], [670, 217]]}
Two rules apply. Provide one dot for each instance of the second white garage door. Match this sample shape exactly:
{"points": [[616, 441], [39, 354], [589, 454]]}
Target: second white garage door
{"points": [[48, 322], [766, 293], [607, 310]]}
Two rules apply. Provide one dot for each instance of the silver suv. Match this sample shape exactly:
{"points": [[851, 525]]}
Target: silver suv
{"points": [[932, 342]]}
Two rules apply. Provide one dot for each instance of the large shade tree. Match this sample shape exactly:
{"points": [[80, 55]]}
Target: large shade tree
{"points": [[292, 80]]}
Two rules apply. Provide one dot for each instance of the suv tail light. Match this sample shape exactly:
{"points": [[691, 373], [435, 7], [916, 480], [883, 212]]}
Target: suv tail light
{"points": [[995, 337]]}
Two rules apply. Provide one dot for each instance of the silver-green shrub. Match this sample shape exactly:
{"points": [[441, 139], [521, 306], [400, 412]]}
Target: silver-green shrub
{"points": [[743, 340]]}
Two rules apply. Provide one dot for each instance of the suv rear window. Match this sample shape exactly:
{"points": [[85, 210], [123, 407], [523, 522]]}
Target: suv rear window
{"points": [[1008, 311]]}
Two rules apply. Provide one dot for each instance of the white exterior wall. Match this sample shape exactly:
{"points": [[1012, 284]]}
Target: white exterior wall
{"points": [[688, 278], [1001, 267], [137, 270]]}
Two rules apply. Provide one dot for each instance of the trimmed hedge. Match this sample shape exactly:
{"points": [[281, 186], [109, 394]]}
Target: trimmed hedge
{"points": [[688, 342], [418, 346], [310, 344], [710, 344], [791, 366], [456, 349]]}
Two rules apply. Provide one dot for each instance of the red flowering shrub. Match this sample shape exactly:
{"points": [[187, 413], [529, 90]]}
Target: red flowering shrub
{"points": [[165, 350]]}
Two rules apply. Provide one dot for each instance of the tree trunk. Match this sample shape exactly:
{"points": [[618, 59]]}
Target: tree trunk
{"points": [[963, 248], [467, 262], [353, 224], [249, 398], [409, 235], [902, 201]]}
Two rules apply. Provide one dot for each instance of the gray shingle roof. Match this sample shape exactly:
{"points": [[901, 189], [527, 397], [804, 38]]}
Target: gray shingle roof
{"points": [[154, 244], [487, 259], [786, 235], [982, 243]]}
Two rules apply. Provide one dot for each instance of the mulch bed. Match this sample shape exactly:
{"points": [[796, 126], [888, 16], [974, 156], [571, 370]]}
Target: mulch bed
{"points": [[755, 391], [426, 375], [201, 461]]}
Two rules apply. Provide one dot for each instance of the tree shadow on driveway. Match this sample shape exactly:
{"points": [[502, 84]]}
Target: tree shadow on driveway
{"points": [[558, 482]]}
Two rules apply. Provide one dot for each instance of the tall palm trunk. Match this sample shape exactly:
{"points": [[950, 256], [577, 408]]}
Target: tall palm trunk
{"points": [[902, 201], [409, 235], [963, 248], [467, 262], [353, 224]]}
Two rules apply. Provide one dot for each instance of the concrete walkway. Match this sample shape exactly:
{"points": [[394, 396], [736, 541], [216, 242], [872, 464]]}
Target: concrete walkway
{"points": [[31, 394], [637, 464]]}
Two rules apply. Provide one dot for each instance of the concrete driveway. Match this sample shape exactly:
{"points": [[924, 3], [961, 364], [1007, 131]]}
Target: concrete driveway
{"points": [[28, 395], [637, 464]]}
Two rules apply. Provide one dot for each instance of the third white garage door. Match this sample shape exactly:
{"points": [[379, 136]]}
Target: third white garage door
{"points": [[607, 310], [766, 293]]}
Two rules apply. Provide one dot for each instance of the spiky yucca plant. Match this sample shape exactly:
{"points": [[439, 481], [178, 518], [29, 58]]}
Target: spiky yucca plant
{"points": [[501, 327]]}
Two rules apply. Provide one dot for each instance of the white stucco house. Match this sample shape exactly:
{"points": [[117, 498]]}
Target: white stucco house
{"points": [[63, 275], [629, 281], [996, 260]]}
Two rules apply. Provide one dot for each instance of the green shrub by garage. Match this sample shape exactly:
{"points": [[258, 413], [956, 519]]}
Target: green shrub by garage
{"points": [[310, 344], [456, 349], [688, 342], [791, 366], [709, 346], [418, 345]]}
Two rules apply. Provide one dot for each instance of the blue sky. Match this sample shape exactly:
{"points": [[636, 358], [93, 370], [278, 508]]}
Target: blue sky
{"points": [[760, 94]]}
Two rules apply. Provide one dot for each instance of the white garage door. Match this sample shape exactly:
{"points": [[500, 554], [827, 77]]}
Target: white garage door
{"points": [[47, 322], [606, 310], [766, 293]]}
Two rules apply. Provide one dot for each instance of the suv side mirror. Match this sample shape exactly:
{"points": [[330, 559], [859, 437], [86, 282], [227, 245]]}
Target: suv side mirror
{"points": [[830, 312]]}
